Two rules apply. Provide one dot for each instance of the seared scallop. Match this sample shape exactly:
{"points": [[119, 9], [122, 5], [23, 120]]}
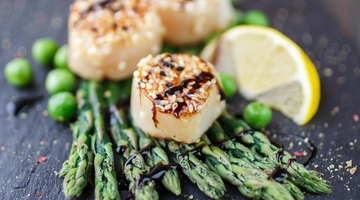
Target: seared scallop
{"points": [[191, 21], [107, 38], [176, 96]]}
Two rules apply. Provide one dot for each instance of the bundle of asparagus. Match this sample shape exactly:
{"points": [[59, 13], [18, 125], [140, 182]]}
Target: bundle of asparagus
{"points": [[244, 155], [230, 150], [77, 169], [260, 145]]}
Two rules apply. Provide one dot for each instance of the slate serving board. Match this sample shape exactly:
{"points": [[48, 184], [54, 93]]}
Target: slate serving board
{"points": [[31, 135]]}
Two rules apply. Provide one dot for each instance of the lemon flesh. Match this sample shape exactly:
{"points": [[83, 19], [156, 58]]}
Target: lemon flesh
{"points": [[270, 68]]}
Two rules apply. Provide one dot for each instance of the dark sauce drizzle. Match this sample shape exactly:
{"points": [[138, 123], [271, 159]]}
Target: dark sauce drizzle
{"points": [[121, 149], [200, 79], [192, 151], [153, 110], [280, 173], [122, 183], [144, 151], [310, 145], [155, 174]]}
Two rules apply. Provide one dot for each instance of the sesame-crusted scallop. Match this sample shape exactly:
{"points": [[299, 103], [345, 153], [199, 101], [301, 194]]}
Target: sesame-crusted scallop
{"points": [[191, 21], [176, 96], [107, 38]]}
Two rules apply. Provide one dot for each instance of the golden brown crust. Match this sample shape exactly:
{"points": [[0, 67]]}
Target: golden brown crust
{"points": [[177, 83], [103, 17]]}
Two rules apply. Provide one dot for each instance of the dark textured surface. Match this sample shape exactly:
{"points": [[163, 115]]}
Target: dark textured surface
{"points": [[25, 138]]}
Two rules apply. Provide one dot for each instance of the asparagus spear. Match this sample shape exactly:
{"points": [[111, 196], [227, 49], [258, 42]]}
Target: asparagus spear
{"points": [[106, 186], [260, 144], [157, 156], [247, 159], [133, 163], [127, 139], [77, 169], [198, 172]]}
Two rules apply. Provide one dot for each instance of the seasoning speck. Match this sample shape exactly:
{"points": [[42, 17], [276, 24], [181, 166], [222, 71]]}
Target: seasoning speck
{"points": [[180, 68], [328, 72], [299, 153], [353, 170], [356, 118], [39, 194], [168, 84], [162, 73], [41, 159]]}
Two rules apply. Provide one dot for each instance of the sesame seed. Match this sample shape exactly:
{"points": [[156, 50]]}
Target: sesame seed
{"points": [[191, 108], [180, 68], [163, 102], [148, 86], [168, 107], [174, 106], [179, 99], [168, 84], [162, 73], [145, 73], [161, 108], [136, 73]]}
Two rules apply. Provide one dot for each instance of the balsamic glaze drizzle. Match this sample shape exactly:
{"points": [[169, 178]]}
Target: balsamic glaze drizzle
{"points": [[121, 149], [200, 79], [144, 151], [280, 173], [155, 174], [195, 150]]}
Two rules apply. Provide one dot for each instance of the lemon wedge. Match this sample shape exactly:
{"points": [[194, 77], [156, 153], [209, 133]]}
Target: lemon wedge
{"points": [[269, 68]]}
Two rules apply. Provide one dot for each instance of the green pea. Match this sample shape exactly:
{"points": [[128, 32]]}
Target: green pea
{"points": [[229, 84], [257, 115], [18, 72], [62, 106], [60, 59], [60, 80], [43, 51], [256, 17]]}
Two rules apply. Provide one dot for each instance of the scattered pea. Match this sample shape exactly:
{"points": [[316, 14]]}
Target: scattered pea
{"points": [[62, 106], [60, 59], [18, 72], [258, 115], [229, 84], [43, 51], [256, 17], [60, 80]]}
